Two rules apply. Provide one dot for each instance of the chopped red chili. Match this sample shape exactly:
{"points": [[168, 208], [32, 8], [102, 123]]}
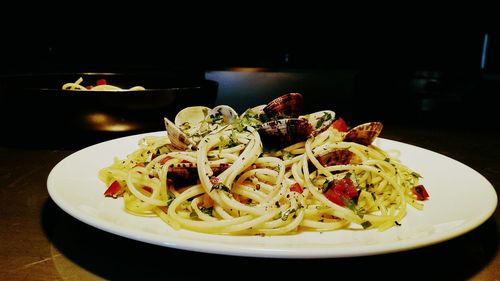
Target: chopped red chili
{"points": [[341, 189], [114, 190], [420, 192], [296, 188]]}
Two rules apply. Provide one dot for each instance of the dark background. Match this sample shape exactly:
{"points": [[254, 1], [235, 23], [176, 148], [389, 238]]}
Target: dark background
{"points": [[421, 77], [51, 47]]}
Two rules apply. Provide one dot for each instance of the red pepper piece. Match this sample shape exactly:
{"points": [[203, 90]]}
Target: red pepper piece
{"points": [[296, 188], [340, 125], [420, 192], [114, 190], [342, 189], [101, 82]]}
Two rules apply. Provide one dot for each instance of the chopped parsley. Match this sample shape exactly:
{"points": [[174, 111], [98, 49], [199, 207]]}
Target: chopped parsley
{"points": [[326, 116], [415, 174], [220, 186], [207, 210]]}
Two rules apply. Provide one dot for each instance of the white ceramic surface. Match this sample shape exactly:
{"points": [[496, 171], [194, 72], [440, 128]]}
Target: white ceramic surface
{"points": [[460, 200]]}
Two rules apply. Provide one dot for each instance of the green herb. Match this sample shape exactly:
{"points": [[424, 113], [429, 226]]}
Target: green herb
{"points": [[185, 126], [326, 116], [233, 139], [250, 118], [415, 174], [360, 212], [327, 185], [287, 213], [193, 214], [348, 203], [216, 118], [366, 224], [171, 196], [279, 215], [207, 211], [220, 186]]}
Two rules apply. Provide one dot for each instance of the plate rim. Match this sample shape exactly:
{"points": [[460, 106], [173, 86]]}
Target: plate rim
{"points": [[172, 241]]}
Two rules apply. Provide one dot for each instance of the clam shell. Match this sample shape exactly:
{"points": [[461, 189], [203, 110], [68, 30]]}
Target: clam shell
{"points": [[334, 157], [285, 106], [257, 110], [221, 115], [190, 118], [177, 138], [320, 120], [183, 174], [365, 133], [286, 131]]}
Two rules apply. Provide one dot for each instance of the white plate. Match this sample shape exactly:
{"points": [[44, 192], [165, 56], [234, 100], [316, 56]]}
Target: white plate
{"points": [[460, 200]]}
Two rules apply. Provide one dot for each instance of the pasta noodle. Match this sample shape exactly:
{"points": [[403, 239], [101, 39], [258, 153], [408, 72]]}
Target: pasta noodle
{"points": [[102, 86], [228, 183]]}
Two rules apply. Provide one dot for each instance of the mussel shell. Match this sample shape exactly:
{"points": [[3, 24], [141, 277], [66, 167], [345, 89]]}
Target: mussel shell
{"points": [[285, 106], [365, 133], [177, 138], [285, 131]]}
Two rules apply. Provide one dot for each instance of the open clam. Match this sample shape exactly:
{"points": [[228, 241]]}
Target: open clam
{"points": [[191, 119], [320, 120], [334, 156], [195, 122], [221, 115], [365, 133], [254, 112], [177, 137], [282, 124], [286, 131], [285, 106]]}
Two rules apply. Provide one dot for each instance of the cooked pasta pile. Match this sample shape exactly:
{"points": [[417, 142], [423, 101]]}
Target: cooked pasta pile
{"points": [[101, 86], [228, 184]]}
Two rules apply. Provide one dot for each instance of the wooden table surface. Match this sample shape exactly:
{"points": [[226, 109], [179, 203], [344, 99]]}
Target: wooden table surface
{"points": [[39, 241]]}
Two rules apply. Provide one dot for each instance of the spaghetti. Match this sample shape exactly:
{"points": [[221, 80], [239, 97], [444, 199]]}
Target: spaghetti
{"points": [[101, 86], [228, 184]]}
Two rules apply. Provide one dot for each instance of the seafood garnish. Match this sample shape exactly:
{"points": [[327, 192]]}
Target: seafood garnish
{"points": [[279, 123], [288, 105], [334, 157], [365, 133], [221, 115], [320, 120], [287, 130], [177, 138]]}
